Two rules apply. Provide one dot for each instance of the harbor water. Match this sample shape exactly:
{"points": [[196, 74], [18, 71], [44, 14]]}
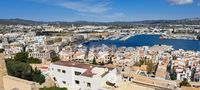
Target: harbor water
{"points": [[148, 40]]}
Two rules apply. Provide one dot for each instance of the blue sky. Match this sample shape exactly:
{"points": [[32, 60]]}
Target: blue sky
{"points": [[99, 10]]}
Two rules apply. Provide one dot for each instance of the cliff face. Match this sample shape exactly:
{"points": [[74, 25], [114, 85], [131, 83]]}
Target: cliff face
{"points": [[3, 70]]}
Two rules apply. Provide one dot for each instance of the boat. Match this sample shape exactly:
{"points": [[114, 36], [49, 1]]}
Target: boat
{"points": [[162, 37]]}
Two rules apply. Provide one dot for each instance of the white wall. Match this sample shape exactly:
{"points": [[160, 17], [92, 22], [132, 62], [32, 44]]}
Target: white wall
{"points": [[69, 77]]}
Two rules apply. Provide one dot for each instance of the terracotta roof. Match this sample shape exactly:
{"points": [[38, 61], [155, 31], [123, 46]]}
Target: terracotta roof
{"points": [[135, 68], [88, 67], [144, 67], [74, 64], [88, 73]]}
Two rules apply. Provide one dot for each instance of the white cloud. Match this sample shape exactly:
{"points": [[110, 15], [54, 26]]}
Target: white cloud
{"points": [[99, 9], [198, 4], [111, 16], [180, 2], [115, 15], [87, 6], [84, 6]]}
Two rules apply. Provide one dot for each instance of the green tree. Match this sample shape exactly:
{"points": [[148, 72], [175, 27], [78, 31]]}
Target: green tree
{"points": [[54, 59], [94, 61], [1, 50], [33, 60], [22, 56], [38, 77], [53, 88], [20, 67], [110, 61], [173, 76], [185, 83], [102, 63]]}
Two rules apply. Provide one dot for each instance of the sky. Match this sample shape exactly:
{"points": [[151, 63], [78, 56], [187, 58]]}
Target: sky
{"points": [[99, 10]]}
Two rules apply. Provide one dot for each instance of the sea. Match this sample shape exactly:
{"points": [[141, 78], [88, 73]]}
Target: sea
{"points": [[148, 40]]}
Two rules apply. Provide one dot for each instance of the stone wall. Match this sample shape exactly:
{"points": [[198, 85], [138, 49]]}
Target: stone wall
{"points": [[13, 83], [3, 70]]}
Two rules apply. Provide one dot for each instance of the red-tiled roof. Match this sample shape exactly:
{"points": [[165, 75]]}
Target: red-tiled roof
{"points": [[74, 64], [88, 67]]}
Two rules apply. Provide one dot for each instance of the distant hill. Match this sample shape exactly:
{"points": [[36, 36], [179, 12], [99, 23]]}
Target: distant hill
{"points": [[17, 21], [189, 21]]}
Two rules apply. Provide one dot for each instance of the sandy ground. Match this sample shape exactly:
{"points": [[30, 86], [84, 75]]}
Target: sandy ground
{"points": [[122, 85], [131, 86]]}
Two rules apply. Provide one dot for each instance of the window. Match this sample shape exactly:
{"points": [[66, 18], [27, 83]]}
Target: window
{"points": [[63, 71], [54, 79], [88, 84], [58, 70], [77, 73], [76, 81], [64, 82]]}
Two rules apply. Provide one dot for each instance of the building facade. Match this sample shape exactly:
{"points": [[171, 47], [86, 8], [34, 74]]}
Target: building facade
{"points": [[79, 76]]}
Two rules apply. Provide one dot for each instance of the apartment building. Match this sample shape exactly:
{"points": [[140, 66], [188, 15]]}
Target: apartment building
{"points": [[11, 49], [80, 76], [42, 55]]}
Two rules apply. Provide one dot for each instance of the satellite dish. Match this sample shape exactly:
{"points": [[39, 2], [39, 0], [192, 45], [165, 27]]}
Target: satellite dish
{"points": [[106, 69]]}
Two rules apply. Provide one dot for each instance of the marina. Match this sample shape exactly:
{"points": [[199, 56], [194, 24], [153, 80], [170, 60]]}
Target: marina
{"points": [[149, 40], [182, 37], [121, 37]]}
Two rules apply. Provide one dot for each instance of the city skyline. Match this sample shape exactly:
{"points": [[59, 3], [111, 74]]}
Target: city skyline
{"points": [[99, 10], [100, 45]]}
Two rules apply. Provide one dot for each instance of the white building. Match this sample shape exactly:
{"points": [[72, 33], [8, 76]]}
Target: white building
{"points": [[80, 76], [11, 49], [187, 73]]}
